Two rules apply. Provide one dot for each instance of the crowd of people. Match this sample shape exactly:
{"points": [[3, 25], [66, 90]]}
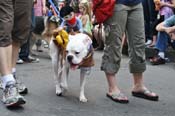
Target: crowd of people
{"points": [[158, 14], [131, 19]]}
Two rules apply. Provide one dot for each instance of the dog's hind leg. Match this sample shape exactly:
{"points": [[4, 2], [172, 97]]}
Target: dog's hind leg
{"points": [[83, 74]]}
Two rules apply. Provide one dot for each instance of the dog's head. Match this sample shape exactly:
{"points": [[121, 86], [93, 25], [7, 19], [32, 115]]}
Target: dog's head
{"points": [[77, 49]]}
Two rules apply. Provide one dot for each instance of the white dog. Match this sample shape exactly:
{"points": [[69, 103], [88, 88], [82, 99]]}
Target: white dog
{"points": [[79, 54]]}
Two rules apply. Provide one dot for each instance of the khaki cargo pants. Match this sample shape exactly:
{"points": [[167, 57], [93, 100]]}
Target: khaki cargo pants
{"points": [[15, 21], [127, 19]]}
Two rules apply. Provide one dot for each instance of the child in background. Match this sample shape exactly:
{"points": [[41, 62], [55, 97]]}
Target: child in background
{"points": [[75, 5], [84, 8], [164, 10], [40, 7], [39, 11], [61, 3], [71, 23]]}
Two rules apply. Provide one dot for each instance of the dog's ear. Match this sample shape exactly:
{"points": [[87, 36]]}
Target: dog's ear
{"points": [[87, 40]]}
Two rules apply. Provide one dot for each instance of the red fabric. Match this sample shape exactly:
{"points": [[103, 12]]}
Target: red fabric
{"points": [[72, 21], [103, 9]]}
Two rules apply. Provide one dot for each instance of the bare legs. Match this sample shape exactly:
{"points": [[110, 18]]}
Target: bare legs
{"points": [[15, 53], [5, 60]]}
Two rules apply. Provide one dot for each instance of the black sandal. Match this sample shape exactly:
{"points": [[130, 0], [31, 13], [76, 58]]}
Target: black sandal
{"points": [[146, 94], [118, 98]]}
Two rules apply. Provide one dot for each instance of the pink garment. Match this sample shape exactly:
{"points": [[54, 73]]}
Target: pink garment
{"points": [[38, 8], [166, 11]]}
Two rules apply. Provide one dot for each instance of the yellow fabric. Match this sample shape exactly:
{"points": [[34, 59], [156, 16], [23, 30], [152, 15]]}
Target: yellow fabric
{"points": [[62, 38]]}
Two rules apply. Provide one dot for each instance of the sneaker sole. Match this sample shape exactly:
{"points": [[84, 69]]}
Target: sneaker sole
{"points": [[25, 91], [20, 102]]}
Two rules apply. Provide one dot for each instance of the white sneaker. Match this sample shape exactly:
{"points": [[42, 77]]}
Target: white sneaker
{"points": [[22, 89], [11, 96], [1, 85], [19, 61], [148, 42]]}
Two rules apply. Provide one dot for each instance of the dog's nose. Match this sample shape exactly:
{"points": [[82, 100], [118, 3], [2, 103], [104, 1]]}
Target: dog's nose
{"points": [[69, 58]]}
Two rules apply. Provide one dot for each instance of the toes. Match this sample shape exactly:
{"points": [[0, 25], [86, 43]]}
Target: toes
{"points": [[59, 94], [84, 100], [58, 91]]}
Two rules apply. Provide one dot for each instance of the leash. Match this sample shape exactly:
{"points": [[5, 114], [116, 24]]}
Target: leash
{"points": [[55, 9]]}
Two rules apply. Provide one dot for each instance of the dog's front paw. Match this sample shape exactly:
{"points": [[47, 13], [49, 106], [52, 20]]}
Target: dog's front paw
{"points": [[83, 99], [58, 90]]}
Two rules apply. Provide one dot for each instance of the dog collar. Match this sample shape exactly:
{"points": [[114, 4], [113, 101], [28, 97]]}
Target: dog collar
{"points": [[88, 60]]}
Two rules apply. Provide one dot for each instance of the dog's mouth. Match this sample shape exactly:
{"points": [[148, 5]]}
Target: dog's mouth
{"points": [[74, 66]]}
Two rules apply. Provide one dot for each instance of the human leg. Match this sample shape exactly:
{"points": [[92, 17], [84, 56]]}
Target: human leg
{"points": [[135, 29], [10, 93], [114, 29]]}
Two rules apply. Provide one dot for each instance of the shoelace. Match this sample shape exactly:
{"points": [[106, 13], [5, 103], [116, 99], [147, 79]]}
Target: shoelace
{"points": [[10, 90]]}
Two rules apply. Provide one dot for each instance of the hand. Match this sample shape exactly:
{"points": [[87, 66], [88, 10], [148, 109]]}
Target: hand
{"points": [[168, 30], [162, 4], [172, 35]]}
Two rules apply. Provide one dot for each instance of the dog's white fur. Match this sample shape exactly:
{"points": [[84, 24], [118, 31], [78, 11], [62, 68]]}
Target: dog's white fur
{"points": [[77, 48]]}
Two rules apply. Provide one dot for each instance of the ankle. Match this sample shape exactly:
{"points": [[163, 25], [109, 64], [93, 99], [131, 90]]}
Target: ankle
{"points": [[6, 79], [138, 87], [14, 72], [114, 90]]}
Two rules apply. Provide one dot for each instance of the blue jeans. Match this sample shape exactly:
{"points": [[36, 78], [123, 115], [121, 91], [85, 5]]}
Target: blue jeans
{"points": [[25, 48], [163, 41]]}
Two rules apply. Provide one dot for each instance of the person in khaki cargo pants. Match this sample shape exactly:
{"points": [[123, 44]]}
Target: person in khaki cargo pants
{"points": [[127, 17], [15, 22]]}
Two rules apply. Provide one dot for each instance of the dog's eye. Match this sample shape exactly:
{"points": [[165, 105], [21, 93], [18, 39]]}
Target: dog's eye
{"points": [[77, 53], [66, 51]]}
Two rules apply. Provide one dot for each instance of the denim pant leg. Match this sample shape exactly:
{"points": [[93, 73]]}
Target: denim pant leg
{"points": [[33, 19], [173, 43], [162, 41], [25, 49]]}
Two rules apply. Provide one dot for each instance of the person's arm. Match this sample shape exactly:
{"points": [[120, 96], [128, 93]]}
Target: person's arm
{"points": [[44, 7], [80, 25], [170, 29], [161, 27], [84, 20], [168, 23], [172, 4]]}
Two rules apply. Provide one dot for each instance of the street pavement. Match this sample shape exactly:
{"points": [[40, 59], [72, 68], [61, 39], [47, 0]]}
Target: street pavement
{"points": [[42, 101]]}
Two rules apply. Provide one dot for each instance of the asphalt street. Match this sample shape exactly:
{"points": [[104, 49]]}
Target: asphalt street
{"points": [[42, 101]]}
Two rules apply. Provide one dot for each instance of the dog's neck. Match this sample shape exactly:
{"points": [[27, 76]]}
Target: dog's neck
{"points": [[88, 61]]}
